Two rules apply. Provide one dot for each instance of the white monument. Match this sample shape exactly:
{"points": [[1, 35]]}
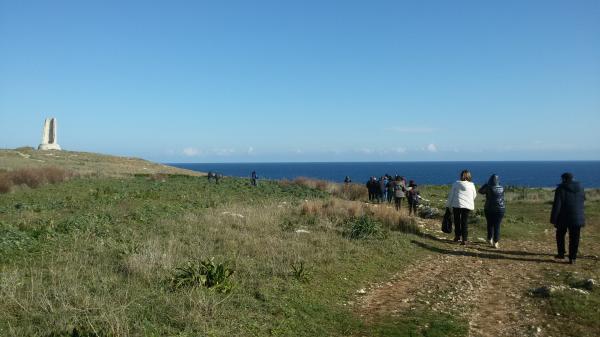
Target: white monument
{"points": [[49, 136]]}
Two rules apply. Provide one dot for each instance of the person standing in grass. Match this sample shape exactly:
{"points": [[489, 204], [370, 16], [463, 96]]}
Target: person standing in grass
{"points": [[399, 191], [254, 178], [462, 200], [494, 208], [413, 196], [390, 190], [383, 189], [568, 215]]}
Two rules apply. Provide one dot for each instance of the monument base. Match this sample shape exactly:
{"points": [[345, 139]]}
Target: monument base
{"points": [[49, 147]]}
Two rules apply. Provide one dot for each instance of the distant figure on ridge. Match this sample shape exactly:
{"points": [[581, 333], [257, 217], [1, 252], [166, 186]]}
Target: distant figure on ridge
{"points": [[254, 178], [494, 208], [413, 196], [462, 200], [347, 180], [568, 215]]}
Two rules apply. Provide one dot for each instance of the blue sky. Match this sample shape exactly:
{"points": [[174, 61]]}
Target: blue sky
{"points": [[251, 81]]}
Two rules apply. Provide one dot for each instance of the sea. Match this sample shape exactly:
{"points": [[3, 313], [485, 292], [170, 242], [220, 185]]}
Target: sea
{"points": [[512, 173]]}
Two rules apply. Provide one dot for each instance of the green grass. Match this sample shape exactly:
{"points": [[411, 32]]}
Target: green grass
{"points": [[573, 313], [98, 255]]}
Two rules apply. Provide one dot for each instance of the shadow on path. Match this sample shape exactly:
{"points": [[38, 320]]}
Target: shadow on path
{"points": [[470, 253]]}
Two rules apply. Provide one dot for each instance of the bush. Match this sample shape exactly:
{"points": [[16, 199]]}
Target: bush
{"points": [[204, 273], [299, 272], [5, 183], [32, 177], [362, 227]]}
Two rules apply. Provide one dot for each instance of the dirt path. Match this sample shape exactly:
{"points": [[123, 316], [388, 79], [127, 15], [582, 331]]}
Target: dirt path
{"points": [[486, 286]]}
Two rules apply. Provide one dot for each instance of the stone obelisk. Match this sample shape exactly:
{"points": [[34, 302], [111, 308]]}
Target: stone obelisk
{"points": [[49, 136]]}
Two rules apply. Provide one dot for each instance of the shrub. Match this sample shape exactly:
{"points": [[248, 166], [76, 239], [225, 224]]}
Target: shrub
{"points": [[33, 177], [5, 183], [362, 227], [28, 176], [204, 273], [299, 272]]}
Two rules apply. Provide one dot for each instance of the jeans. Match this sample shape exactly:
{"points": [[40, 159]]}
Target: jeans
{"points": [[461, 217], [574, 232], [493, 225]]}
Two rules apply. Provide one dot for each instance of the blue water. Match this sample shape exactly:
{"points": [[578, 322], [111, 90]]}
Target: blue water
{"points": [[521, 173]]}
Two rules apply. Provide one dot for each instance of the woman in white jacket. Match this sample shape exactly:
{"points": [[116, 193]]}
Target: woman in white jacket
{"points": [[462, 200]]}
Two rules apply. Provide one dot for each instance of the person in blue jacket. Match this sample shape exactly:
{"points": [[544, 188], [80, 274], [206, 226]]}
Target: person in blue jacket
{"points": [[568, 215], [494, 208]]}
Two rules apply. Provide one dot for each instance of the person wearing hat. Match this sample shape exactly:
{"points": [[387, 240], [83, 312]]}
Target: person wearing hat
{"points": [[568, 215]]}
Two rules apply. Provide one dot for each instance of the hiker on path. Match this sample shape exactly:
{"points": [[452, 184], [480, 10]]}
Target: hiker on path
{"points": [[494, 208], [413, 196], [568, 215], [462, 200]]}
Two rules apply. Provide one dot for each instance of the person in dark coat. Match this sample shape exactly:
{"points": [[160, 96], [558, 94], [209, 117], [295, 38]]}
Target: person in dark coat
{"points": [[568, 215], [253, 178], [494, 208], [372, 188], [413, 196]]}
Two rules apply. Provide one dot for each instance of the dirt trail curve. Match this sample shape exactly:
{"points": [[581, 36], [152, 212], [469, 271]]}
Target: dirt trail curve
{"points": [[487, 286]]}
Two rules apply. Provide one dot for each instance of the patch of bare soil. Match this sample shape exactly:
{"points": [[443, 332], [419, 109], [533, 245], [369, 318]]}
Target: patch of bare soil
{"points": [[486, 286]]}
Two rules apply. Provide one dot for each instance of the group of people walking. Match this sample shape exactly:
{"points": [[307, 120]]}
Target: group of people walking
{"points": [[394, 189], [567, 210]]}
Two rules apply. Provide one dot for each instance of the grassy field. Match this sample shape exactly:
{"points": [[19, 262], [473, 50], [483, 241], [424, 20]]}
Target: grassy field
{"points": [[83, 163], [123, 256]]}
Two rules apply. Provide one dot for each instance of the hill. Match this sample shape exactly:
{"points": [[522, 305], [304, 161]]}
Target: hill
{"points": [[178, 255], [84, 163]]}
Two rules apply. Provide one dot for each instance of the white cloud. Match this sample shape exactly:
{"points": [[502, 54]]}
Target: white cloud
{"points": [[222, 152], [400, 150], [431, 148], [250, 150], [191, 152], [416, 129]]}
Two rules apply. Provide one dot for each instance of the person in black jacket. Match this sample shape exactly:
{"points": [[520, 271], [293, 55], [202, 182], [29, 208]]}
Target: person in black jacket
{"points": [[567, 215], [494, 208]]}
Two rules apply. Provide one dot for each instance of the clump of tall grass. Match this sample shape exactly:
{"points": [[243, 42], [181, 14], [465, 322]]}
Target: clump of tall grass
{"points": [[32, 177], [338, 211]]}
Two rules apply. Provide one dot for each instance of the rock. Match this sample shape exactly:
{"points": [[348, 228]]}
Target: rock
{"points": [[49, 141], [361, 291], [302, 231], [589, 284], [428, 212]]}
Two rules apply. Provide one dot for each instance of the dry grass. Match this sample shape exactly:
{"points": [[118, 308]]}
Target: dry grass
{"points": [[338, 210], [342, 191], [32, 177]]}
